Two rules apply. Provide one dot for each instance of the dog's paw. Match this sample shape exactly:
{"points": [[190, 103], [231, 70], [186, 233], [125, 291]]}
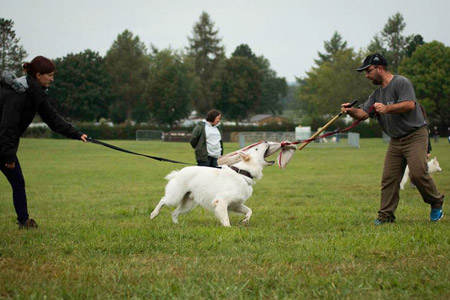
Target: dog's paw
{"points": [[245, 221], [153, 215], [175, 219]]}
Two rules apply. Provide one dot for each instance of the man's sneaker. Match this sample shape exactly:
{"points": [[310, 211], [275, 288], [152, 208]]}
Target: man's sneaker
{"points": [[30, 223], [436, 214], [382, 221]]}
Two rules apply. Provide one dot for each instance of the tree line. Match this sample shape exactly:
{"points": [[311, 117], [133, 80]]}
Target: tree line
{"points": [[161, 86], [333, 80]]}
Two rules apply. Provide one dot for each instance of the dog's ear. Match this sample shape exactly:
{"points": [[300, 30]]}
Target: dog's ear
{"points": [[244, 156]]}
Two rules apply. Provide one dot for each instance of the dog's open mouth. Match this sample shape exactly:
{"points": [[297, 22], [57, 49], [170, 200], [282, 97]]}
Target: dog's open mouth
{"points": [[266, 154]]}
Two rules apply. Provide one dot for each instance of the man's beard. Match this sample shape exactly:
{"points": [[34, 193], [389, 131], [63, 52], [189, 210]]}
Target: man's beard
{"points": [[376, 81]]}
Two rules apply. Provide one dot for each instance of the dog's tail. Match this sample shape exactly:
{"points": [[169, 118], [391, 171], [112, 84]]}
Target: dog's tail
{"points": [[171, 175]]}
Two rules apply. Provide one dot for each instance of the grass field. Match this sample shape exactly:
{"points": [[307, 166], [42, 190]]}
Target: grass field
{"points": [[311, 234]]}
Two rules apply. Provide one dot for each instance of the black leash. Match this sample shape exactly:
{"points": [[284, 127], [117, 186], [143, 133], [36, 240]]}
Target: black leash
{"points": [[94, 141]]}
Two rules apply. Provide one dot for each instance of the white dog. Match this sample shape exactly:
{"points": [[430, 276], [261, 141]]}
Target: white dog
{"points": [[216, 189], [433, 166]]}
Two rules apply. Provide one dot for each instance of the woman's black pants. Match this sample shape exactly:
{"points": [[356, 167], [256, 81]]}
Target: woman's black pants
{"points": [[17, 182]]}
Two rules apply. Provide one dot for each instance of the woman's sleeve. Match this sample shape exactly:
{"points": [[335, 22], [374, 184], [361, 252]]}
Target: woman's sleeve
{"points": [[56, 123]]}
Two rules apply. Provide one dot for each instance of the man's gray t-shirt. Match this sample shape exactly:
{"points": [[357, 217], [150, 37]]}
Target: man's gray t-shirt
{"points": [[398, 90]]}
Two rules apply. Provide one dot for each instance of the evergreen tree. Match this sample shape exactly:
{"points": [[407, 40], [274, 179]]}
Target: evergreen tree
{"points": [[11, 53], [333, 81], [392, 44], [414, 42], [395, 41], [207, 53], [332, 46], [245, 51], [377, 45]]}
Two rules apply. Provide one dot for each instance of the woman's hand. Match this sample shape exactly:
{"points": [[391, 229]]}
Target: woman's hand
{"points": [[11, 165]]}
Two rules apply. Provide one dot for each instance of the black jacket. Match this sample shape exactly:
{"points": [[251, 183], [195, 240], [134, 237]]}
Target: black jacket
{"points": [[18, 106]]}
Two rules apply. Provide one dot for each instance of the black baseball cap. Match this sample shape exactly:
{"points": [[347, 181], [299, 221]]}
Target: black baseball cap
{"points": [[373, 60]]}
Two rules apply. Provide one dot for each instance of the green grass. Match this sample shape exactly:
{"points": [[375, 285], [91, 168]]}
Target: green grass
{"points": [[311, 234]]}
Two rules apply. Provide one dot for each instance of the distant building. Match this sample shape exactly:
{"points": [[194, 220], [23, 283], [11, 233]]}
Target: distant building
{"points": [[265, 119]]}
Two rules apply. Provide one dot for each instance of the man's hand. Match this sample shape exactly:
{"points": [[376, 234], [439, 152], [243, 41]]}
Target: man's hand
{"points": [[345, 109], [84, 138], [380, 108], [356, 113]]}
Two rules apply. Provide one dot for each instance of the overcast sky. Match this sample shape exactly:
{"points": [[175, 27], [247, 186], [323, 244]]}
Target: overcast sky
{"points": [[288, 33]]}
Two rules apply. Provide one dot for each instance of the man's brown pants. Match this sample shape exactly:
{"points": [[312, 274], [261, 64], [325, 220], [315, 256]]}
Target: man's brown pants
{"points": [[411, 150]]}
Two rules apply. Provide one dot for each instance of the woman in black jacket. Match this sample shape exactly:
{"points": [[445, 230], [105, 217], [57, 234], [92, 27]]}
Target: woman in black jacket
{"points": [[20, 100]]}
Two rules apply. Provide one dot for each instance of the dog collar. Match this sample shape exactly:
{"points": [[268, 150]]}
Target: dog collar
{"points": [[242, 172]]}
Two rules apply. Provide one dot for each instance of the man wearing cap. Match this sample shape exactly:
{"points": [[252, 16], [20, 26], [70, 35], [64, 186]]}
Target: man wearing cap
{"points": [[395, 106]]}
